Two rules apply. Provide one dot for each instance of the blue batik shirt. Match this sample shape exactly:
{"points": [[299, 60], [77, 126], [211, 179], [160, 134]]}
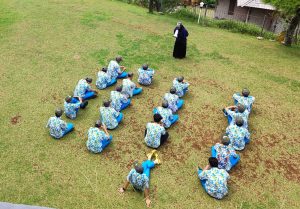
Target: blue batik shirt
{"points": [[145, 76], [139, 181], [243, 115], [246, 101], [154, 132], [128, 87], [117, 98], [180, 87], [71, 109], [223, 155], [216, 182], [237, 136], [57, 127], [95, 138], [172, 100], [81, 88], [109, 117], [167, 116], [102, 80], [113, 69]]}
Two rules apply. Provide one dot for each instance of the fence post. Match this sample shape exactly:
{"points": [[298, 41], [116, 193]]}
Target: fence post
{"points": [[205, 10], [263, 25]]}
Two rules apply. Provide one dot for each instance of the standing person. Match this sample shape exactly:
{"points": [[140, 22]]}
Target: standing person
{"points": [[180, 33]]}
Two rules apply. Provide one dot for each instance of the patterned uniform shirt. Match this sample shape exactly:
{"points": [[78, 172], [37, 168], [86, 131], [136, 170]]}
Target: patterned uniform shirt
{"points": [[70, 109], [138, 181], [246, 101], [57, 127], [95, 138], [113, 69], [216, 184], [117, 98], [128, 87], [237, 136], [167, 116], [145, 76], [180, 87], [81, 88], [223, 155], [109, 117], [154, 132], [102, 80], [243, 115], [172, 100]]}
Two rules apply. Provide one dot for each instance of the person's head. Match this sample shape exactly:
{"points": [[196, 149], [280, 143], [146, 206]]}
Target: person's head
{"points": [[89, 80], [68, 99], [239, 121], [213, 162], [173, 90], [119, 59], [58, 112], [98, 124], [130, 75], [225, 139], [241, 108], [138, 168], [180, 79], [145, 66], [245, 92], [104, 69], [165, 104], [157, 118], [179, 24], [119, 88], [106, 103]]}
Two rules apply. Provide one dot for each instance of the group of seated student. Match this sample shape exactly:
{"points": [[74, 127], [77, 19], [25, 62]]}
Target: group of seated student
{"points": [[156, 135], [223, 158]]}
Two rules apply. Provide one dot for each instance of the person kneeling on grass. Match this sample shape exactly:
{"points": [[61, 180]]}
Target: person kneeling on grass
{"points": [[213, 179], [119, 101], [98, 140], [139, 176], [58, 127], [244, 99], [155, 133], [83, 90], [181, 86], [167, 115], [129, 88], [109, 116], [104, 80], [71, 109], [173, 100], [114, 70], [239, 136], [225, 154], [232, 112], [145, 75]]}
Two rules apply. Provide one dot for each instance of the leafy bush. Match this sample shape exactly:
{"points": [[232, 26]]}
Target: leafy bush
{"points": [[166, 4]]}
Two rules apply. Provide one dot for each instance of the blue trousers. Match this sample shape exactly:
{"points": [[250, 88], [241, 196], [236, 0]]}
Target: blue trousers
{"points": [[69, 128], [203, 182], [147, 166], [233, 161], [120, 117], [88, 95], [125, 105], [180, 103], [105, 143], [175, 119], [123, 75], [112, 82], [229, 118], [137, 91], [247, 141]]}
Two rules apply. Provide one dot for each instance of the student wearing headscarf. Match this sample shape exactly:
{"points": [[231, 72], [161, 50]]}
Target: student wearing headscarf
{"points": [[181, 34]]}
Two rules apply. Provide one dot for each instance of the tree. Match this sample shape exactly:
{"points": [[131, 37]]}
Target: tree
{"points": [[291, 10]]}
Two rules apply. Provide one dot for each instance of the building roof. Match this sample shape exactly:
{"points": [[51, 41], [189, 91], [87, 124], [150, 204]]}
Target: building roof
{"points": [[254, 4]]}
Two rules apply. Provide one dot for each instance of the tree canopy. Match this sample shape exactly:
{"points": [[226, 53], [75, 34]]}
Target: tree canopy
{"points": [[287, 7]]}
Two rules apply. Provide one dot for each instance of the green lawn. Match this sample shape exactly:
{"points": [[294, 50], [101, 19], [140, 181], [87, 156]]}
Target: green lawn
{"points": [[47, 46]]}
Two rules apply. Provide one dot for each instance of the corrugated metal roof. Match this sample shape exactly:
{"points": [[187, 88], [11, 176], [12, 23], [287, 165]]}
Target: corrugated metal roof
{"points": [[254, 4]]}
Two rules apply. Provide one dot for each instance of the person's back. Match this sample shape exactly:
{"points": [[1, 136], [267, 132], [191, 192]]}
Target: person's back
{"points": [[223, 155], [102, 80], [244, 98], [70, 109], [237, 136], [139, 181], [236, 114], [81, 87], [109, 117], [153, 135], [113, 69], [95, 137], [145, 75], [180, 86], [57, 127], [116, 100], [167, 115], [128, 87]]}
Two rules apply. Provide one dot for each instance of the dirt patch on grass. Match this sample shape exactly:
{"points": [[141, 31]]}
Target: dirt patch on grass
{"points": [[15, 119]]}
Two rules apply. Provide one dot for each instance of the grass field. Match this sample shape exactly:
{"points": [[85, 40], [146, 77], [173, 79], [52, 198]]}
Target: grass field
{"points": [[47, 46]]}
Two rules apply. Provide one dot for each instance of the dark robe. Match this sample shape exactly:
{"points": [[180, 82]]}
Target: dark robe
{"points": [[180, 43]]}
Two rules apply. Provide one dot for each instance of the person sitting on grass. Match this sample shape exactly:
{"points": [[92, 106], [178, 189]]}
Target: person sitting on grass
{"points": [[71, 109], [225, 154], [83, 91], [114, 70], [139, 176], [104, 80], [129, 88], [98, 140], [58, 127], [119, 101], [173, 100], [244, 99], [145, 75], [109, 116], [155, 133], [213, 179], [232, 112], [181, 86], [239, 136], [167, 115]]}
